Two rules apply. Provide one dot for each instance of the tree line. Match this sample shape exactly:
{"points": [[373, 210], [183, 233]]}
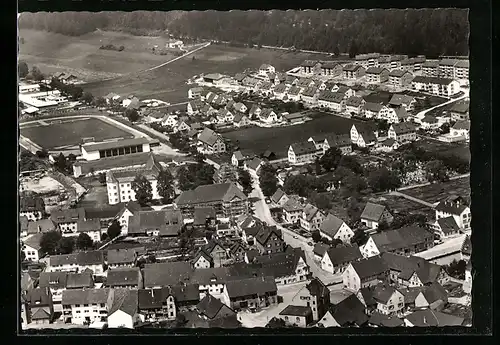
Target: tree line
{"points": [[432, 32]]}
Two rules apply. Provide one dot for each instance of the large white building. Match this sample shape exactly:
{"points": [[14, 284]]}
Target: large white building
{"points": [[94, 151], [119, 182], [82, 306], [437, 86]]}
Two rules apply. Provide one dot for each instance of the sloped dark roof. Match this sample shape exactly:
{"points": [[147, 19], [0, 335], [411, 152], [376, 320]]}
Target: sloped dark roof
{"points": [[121, 256], [448, 224], [341, 255], [382, 320], [93, 257], [435, 292], [320, 249], [251, 286], [209, 306], [466, 246], [375, 70], [266, 232], [201, 214], [372, 211], [400, 238], [296, 310], [432, 80], [167, 221], [186, 292], [334, 97], [369, 267], [31, 204], [349, 311], [331, 225], [54, 280], [123, 277], [403, 127], [85, 296], [317, 288], [304, 147], [382, 293], [210, 193], [277, 195], [168, 273], [125, 300], [79, 280], [42, 225], [431, 318], [410, 294]]}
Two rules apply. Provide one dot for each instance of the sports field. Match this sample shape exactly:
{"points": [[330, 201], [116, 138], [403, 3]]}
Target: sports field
{"points": [[278, 140], [168, 83], [70, 132], [82, 57]]}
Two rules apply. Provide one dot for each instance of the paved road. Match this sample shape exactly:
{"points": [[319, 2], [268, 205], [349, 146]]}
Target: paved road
{"points": [[421, 114], [450, 246], [420, 201], [262, 212]]}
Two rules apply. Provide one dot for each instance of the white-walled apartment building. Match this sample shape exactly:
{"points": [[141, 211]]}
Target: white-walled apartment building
{"points": [[456, 207], [94, 151], [332, 100], [32, 208], [437, 86], [78, 262], [303, 152], [119, 182], [367, 60], [82, 306]]}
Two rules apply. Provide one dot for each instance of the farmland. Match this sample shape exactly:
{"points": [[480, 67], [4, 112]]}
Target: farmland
{"points": [[404, 206], [168, 83], [445, 149], [82, 57], [278, 140], [69, 133], [436, 192]]}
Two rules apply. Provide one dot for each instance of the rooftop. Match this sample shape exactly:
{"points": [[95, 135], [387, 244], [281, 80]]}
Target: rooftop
{"points": [[108, 145]]}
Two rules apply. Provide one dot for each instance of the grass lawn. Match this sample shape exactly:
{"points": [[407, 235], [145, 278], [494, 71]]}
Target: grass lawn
{"points": [[445, 149], [435, 192], [71, 132], [260, 139], [81, 55], [168, 83], [404, 206]]}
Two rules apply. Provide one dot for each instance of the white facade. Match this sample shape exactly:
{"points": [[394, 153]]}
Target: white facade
{"points": [[31, 253], [120, 319], [202, 262], [344, 234], [394, 305], [369, 249], [350, 279], [123, 192], [94, 155], [123, 221], [463, 219], [326, 265], [32, 215], [79, 313], [446, 90]]}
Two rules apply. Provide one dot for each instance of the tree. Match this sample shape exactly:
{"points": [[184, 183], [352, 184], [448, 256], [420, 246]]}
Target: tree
{"points": [[165, 186], [322, 201], [23, 69], [143, 190], [359, 238], [245, 180], [87, 97], [99, 102], [42, 153], [36, 74], [353, 49], [353, 210], [84, 241], [297, 184], [61, 163], [132, 115], [268, 180], [180, 320], [102, 178], [383, 179], [445, 128], [49, 242], [336, 51], [436, 171], [330, 160], [65, 245], [316, 236], [456, 269], [114, 229], [352, 164]]}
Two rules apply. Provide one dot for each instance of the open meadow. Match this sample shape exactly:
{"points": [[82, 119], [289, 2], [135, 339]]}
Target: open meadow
{"points": [[445, 149], [60, 133], [436, 192], [259, 139], [81, 55], [168, 83]]}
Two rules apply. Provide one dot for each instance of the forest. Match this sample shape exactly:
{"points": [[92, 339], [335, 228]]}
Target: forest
{"points": [[432, 32]]}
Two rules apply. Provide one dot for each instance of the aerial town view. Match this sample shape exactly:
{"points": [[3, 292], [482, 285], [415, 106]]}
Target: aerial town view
{"points": [[242, 169]]}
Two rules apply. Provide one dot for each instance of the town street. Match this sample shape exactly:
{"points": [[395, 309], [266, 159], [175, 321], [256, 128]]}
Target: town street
{"points": [[449, 246], [295, 240], [421, 114]]}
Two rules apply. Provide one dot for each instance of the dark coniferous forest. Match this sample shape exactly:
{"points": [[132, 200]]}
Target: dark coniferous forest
{"points": [[432, 32]]}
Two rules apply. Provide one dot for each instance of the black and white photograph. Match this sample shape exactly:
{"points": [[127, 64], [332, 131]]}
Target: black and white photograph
{"points": [[244, 169]]}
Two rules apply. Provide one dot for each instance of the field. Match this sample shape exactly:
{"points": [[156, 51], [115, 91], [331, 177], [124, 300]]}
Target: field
{"points": [[278, 140], [445, 149], [69, 133], [405, 206], [435, 192], [81, 55], [168, 83]]}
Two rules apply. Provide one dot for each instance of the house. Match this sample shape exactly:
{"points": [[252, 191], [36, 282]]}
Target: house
{"points": [[77, 262], [365, 296], [335, 228], [157, 304], [303, 152], [237, 251], [124, 257], [402, 132], [344, 90], [314, 295], [265, 69], [23, 226], [377, 75], [255, 111], [461, 129], [389, 300], [460, 111], [356, 131], [461, 70], [342, 142], [225, 116], [225, 230], [269, 240], [252, 293], [293, 94], [400, 79], [32, 207], [365, 273], [403, 101], [336, 260], [239, 157], [373, 214], [226, 198], [128, 210], [446, 68], [309, 96], [212, 308], [333, 101], [312, 218], [396, 61], [241, 120], [182, 126], [366, 139], [305, 83], [267, 115], [254, 165], [159, 275], [226, 173], [381, 320], [396, 115], [296, 316], [354, 105], [195, 92], [404, 241], [353, 71], [367, 60], [211, 142], [455, 206], [466, 249], [445, 227], [39, 307], [444, 87], [31, 247], [310, 66], [467, 285], [82, 306], [432, 318], [124, 277], [410, 294], [319, 251], [240, 107], [216, 251], [433, 296], [112, 97], [372, 110], [347, 313], [203, 260], [163, 223], [292, 210], [330, 68], [388, 145], [56, 282], [279, 197], [280, 91], [124, 309], [214, 78], [291, 80], [248, 226], [429, 123], [153, 117]]}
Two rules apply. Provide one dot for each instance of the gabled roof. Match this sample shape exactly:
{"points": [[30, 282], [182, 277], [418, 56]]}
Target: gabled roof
{"points": [[303, 148], [87, 258], [349, 311], [67, 215], [34, 241], [372, 211], [277, 195], [370, 267], [40, 314], [432, 80], [383, 320], [85, 296], [328, 64], [201, 214], [123, 277], [79, 280], [210, 193], [209, 306], [410, 294], [54, 280], [429, 119], [251, 286], [309, 63], [431, 318], [448, 224], [401, 113], [403, 128], [454, 207], [296, 310], [382, 293], [292, 205], [255, 163], [435, 292], [331, 225], [334, 97], [462, 64], [317, 288], [121, 256], [167, 221], [375, 107], [398, 73], [462, 125], [125, 300], [309, 91], [387, 241], [168, 273], [398, 99], [204, 254], [352, 68], [31, 204], [320, 249], [460, 107], [208, 136], [310, 212], [294, 90], [342, 255], [266, 232], [375, 70], [354, 101], [41, 225]]}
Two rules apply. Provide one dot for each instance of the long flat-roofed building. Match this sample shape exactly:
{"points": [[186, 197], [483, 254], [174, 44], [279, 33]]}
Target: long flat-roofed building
{"points": [[94, 151]]}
